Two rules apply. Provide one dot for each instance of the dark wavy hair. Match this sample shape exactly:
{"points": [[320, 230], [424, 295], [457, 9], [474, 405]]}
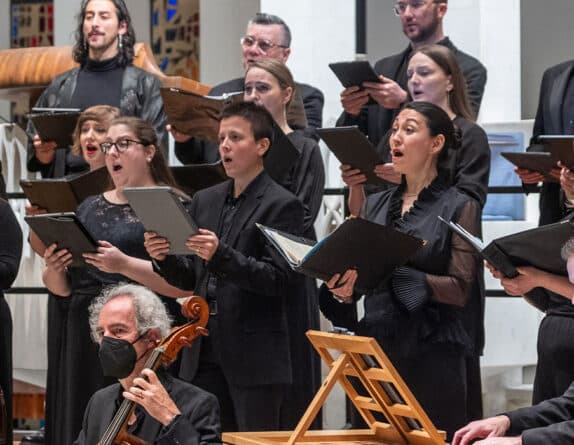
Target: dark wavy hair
{"points": [[125, 53], [439, 122], [260, 119], [144, 132]]}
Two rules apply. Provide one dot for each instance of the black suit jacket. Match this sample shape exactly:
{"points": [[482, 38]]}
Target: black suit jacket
{"points": [[548, 120], [375, 120], [197, 151], [197, 425], [549, 422], [252, 281]]}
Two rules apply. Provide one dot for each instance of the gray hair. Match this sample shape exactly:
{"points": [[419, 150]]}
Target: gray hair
{"points": [[262, 18], [567, 249], [149, 310]]}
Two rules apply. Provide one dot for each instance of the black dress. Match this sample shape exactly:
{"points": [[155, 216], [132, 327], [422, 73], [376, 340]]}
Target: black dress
{"points": [[306, 180], [471, 166], [10, 253], [416, 315], [74, 372]]}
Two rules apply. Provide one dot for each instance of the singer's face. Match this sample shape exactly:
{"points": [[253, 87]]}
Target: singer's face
{"points": [[101, 28]]}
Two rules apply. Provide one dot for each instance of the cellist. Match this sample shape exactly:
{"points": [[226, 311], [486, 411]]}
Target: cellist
{"points": [[128, 321]]}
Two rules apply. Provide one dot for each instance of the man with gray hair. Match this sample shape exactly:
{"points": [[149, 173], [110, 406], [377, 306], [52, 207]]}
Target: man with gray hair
{"points": [[267, 37], [128, 321]]}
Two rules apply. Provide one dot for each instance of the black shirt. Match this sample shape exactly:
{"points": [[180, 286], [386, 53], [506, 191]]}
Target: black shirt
{"points": [[99, 82]]}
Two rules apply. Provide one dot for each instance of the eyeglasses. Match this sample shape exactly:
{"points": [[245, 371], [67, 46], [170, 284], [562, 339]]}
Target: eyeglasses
{"points": [[121, 145], [263, 44], [401, 7]]}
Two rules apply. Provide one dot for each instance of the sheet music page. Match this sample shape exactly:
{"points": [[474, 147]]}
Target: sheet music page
{"points": [[294, 250], [475, 241]]}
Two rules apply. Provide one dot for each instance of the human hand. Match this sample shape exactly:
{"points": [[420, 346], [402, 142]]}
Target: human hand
{"points": [[109, 258], [388, 173], [495, 272], [353, 98], [156, 246], [529, 176], [177, 135], [343, 287], [151, 395], [386, 93], [527, 279], [492, 427], [203, 245], [567, 182], [517, 440], [352, 176], [32, 209], [57, 260], [44, 150]]}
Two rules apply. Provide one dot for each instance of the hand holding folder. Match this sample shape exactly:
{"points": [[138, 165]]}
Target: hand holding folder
{"points": [[55, 124], [372, 249], [351, 147], [65, 230], [160, 209], [194, 114], [539, 247]]}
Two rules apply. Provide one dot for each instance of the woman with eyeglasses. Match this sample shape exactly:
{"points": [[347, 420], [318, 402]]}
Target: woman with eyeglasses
{"points": [[269, 83], [133, 159], [416, 314]]}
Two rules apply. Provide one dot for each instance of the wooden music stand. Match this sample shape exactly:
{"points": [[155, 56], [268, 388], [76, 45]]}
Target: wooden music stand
{"points": [[388, 396]]}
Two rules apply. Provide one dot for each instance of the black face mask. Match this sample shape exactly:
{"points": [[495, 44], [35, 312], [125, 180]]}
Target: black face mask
{"points": [[118, 357]]}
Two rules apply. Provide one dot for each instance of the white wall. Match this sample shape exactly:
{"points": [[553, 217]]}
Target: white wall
{"points": [[547, 39], [222, 24]]}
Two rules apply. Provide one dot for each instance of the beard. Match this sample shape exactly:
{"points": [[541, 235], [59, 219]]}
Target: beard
{"points": [[423, 33]]}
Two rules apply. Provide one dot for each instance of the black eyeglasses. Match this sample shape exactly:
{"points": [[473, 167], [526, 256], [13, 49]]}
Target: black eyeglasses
{"points": [[121, 145], [263, 44]]}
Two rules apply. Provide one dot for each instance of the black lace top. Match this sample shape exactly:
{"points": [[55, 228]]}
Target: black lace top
{"points": [[119, 225], [420, 306]]}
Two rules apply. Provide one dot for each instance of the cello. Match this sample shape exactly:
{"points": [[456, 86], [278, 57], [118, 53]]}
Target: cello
{"points": [[163, 354]]}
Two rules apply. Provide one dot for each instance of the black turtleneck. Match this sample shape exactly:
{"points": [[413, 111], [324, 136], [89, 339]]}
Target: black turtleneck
{"points": [[99, 83]]}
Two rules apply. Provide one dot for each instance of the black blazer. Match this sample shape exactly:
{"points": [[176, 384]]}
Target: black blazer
{"points": [[375, 120], [197, 425], [548, 120], [549, 422], [252, 281]]}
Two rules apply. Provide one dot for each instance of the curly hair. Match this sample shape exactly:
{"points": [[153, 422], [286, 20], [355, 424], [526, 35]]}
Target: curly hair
{"points": [[150, 312]]}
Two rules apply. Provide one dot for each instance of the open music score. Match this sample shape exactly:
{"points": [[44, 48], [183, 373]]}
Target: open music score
{"points": [[390, 410]]}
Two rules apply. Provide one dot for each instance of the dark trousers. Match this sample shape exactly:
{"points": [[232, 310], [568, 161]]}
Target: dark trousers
{"points": [[6, 362], [438, 382], [555, 367], [473, 388], [251, 408]]}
